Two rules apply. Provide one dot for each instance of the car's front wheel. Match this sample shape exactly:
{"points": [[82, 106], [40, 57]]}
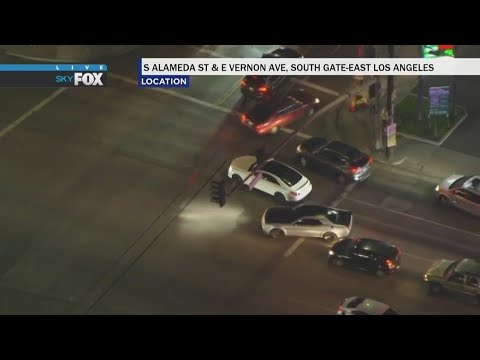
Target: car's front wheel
{"points": [[443, 200], [338, 261], [276, 233], [329, 236], [434, 288]]}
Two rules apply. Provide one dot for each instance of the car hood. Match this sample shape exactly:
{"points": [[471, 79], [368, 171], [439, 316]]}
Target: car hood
{"points": [[439, 267], [244, 162], [446, 183]]}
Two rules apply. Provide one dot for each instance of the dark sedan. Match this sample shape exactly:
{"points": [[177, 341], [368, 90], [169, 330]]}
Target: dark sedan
{"points": [[375, 256], [263, 87], [336, 158], [267, 117]]}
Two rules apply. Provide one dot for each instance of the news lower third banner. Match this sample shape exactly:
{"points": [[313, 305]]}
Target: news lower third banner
{"points": [[53, 75], [175, 72]]}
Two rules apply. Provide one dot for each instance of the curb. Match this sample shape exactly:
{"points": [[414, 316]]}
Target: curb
{"points": [[443, 139], [40, 59], [396, 163]]}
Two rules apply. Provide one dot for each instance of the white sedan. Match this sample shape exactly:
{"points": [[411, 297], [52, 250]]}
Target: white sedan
{"points": [[274, 178]]}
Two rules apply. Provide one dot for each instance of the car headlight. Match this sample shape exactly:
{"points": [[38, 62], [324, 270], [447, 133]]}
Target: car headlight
{"points": [[425, 277], [331, 253], [437, 188], [317, 100], [299, 148]]}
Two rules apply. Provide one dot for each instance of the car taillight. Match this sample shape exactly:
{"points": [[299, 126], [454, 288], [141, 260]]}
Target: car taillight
{"points": [[244, 82], [263, 89], [244, 118], [293, 193], [370, 159], [389, 264], [354, 169]]}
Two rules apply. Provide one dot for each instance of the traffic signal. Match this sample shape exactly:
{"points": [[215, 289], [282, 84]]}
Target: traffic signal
{"points": [[217, 192]]}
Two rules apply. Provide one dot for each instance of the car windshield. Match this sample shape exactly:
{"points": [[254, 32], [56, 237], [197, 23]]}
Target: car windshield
{"points": [[451, 267], [458, 183], [332, 215]]}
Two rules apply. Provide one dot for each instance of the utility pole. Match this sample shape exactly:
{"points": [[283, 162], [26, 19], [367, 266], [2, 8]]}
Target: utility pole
{"points": [[376, 105], [390, 107], [420, 91], [453, 93]]}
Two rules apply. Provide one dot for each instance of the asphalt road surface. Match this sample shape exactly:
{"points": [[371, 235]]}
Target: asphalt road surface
{"points": [[105, 209]]}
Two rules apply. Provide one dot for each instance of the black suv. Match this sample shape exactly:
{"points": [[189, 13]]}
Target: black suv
{"points": [[263, 87], [374, 256], [337, 158]]}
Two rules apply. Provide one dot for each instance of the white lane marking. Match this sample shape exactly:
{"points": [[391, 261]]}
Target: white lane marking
{"points": [[294, 247], [316, 87], [27, 114], [336, 49], [415, 217], [290, 131], [418, 257], [175, 94], [343, 195]]}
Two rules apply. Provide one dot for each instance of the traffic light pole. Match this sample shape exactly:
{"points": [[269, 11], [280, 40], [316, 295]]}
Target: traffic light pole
{"points": [[390, 109]]}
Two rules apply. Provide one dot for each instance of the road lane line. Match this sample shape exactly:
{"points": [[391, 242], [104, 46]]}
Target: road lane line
{"points": [[316, 87], [27, 114], [418, 257], [294, 247], [343, 195], [414, 217], [229, 92], [336, 49], [174, 94], [290, 131]]}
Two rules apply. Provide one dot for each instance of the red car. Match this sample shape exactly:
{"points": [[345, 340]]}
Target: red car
{"points": [[268, 117]]}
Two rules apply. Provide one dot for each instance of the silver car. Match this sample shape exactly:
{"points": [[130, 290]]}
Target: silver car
{"points": [[308, 221], [461, 277], [460, 191], [364, 306]]}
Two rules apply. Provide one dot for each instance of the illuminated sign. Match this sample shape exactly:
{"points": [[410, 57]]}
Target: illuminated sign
{"points": [[434, 51]]}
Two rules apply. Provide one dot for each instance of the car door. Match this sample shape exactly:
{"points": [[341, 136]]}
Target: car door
{"points": [[472, 202], [455, 283], [460, 200], [308, 227], [472, 285], [328, 161], [290, 113], [268, 184], [361, 258]]}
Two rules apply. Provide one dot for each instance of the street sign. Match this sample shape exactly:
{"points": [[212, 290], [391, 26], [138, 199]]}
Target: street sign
{"points": [[434, 51], [391, 129], [391, 140], [439, 96]]}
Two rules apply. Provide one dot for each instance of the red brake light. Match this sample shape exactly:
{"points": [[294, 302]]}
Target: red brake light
{"points": [[263, 89], [294, 193], [354, 169], [370, 159], [244, 118], [244, 82], [389, 264]]}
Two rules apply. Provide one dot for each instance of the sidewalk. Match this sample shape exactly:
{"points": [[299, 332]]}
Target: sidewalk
{"points": [[65, 53]]}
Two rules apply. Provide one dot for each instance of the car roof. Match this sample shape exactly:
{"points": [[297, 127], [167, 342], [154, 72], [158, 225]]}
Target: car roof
{"points": [[377, 246], [345, 150], [367, 305], [310, 210], [277, 168], [283, 52], [472, 183], [469, 266]]}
